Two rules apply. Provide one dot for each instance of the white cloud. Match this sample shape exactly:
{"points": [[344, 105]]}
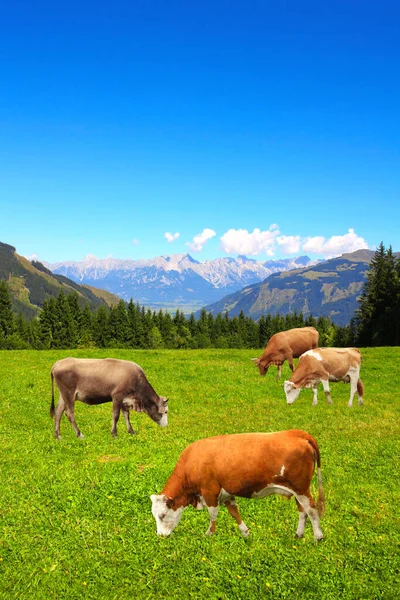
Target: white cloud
{"points": [[336, 245], [240, 241], [135, 242], [170, 237], [199, 240], [289, 244]]}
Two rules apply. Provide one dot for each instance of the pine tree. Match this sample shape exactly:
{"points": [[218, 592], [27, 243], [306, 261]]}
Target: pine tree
{"points": [[118, 325], [46, 323], [65, 333], [86, 323], [377, 316], [100, 327], [7, 324]]}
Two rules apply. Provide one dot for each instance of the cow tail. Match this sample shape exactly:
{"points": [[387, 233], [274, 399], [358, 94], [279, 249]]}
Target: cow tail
{"points": [[360, 387], [317, 458], [52, 412]]}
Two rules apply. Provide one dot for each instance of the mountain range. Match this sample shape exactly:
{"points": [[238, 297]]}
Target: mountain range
{"points": [[329, 288], [31, 283], [177, 281]]}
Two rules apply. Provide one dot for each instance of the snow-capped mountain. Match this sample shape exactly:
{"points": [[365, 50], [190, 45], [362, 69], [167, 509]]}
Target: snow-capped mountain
{"points": [[173, 281]]}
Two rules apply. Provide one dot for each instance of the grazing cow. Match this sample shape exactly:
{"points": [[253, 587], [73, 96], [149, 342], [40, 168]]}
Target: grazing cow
{"points": [[95, 381], [322, 366], [288, 345], [212, 471]]}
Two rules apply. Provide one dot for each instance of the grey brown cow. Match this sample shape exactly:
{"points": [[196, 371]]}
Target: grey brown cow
{"points": [[96, 381], [322, 366], [287, 345]]}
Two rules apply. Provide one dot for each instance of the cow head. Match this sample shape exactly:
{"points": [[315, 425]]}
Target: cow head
{"points": [[262, 366], [167, 518], [291, 391], [159, 411]]}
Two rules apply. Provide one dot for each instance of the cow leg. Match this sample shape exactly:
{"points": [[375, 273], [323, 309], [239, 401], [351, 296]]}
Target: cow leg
{"points": [[69, 411], [308, 505], [213, 512], [211, 501], [360, 390], [57, 417], [327, 390], [116, 409], [279, 372], [234, 511], [125, 412], [302, 520], [315, 396], [354, 386]]}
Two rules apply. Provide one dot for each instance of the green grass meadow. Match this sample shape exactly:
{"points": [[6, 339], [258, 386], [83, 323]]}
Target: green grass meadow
{"points": [[75, 515]]}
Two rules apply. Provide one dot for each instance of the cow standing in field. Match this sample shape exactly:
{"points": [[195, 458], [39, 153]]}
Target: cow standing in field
{"points": [[322, 366], [95, 381], [214, 470], [287, 345]]}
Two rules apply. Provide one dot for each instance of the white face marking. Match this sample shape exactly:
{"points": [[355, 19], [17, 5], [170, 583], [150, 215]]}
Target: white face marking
{"points": [[163, 422], [291, 391], [313, 353], [166, 518], [282, 470]]}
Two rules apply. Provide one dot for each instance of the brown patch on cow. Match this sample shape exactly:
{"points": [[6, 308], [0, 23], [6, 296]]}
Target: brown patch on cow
{"points": [[106, 459]]}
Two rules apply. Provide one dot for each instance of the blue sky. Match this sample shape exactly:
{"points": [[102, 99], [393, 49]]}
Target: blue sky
{"points": [[262, 128]]}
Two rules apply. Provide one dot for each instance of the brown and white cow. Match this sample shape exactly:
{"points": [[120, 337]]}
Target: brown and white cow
{"points": [[95, 381], [323, 365], [212, 471], [286, 345]]}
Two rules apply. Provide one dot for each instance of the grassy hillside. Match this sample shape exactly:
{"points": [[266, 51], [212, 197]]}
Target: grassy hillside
{"points": [[31, 284], [75, 515], [330, 289]]}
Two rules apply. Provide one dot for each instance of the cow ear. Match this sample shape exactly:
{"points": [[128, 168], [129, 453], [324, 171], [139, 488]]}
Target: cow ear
{"points": [[169, 502], [137, 405], [256, 360]]}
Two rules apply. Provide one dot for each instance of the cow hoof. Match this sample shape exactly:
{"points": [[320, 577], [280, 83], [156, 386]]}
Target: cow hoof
{"points": [[132, 432], [58, 437], [319, 539], [299, 536], [80, 435], [114, 433]]}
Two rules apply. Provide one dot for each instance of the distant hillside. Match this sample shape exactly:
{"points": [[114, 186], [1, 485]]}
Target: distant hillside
{"points": [[329, 289], [32, 283]]}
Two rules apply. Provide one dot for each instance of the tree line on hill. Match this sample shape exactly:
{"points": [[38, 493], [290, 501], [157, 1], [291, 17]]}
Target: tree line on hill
{"points": [[62, 323]]}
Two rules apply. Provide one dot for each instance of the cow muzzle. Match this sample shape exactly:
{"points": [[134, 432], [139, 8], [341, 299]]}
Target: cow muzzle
{"points": [[163, 422]]}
